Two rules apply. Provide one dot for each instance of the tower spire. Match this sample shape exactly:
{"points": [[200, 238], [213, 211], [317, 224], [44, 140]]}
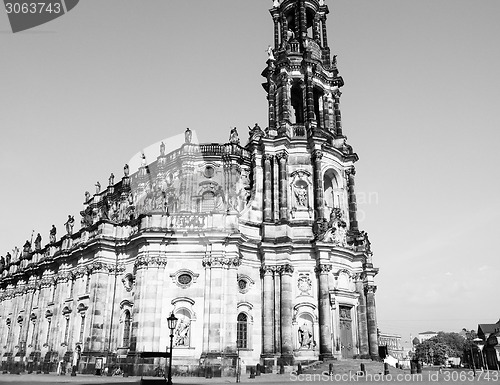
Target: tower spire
{"points": [[302, 81]]}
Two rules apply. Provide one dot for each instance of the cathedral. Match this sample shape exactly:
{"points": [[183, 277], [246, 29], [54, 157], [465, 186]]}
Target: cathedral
{"points": [[253, 244]]}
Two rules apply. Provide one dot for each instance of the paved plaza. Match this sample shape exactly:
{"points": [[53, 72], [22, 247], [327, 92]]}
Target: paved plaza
{"points": [[398, 376]]}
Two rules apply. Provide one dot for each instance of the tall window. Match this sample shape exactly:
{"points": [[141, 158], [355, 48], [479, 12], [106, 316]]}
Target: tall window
{"points": [[54, 292], [87, 283], [207, 202], [82, 327], [126, 329], [242, 331], [66, 329], [49, 319], [71, 287]]}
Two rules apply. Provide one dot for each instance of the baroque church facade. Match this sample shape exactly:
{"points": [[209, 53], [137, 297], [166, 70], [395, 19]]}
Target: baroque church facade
{"points": [[255, 247]]}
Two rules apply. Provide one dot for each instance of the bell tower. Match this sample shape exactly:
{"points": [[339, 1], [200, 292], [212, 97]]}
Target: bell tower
{"points": [[302, 79], [318, 287]]}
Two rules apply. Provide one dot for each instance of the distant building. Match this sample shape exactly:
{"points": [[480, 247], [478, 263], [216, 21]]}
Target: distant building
{"points": [[489, 333], [424, 336], [393, 344]]}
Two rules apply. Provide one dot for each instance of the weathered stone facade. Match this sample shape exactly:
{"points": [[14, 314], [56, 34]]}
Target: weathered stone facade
{"points": [[255, 247]]}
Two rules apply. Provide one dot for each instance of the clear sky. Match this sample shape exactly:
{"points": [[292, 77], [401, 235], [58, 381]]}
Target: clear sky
{"points": [[81, 95]]}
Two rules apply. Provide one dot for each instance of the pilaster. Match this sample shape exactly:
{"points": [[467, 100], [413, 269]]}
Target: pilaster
{"points": [[325, 334]]}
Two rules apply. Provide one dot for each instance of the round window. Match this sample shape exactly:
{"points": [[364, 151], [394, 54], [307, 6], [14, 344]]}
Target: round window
{"points": [[184, 279], [242, 284], [209, 171]]}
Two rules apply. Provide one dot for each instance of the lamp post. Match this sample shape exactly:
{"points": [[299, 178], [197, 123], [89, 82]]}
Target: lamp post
{"points": [[172, 323], [479, 342]]}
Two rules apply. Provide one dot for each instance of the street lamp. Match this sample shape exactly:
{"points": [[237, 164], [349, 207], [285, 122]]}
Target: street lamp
{"points": [[479, 342], [172, 323]]}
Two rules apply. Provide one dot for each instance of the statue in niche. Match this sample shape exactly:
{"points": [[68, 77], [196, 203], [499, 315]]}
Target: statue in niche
{"points": [[182, 333], [111, 179], [97, 187], [38, 242], [219, 199], [233, 136], [305, 337], [52, 234], [188, 135], [255, 133], [162, 149], [301, 196], [113, 211], [126, 170], [69, 224], [337, 228]]}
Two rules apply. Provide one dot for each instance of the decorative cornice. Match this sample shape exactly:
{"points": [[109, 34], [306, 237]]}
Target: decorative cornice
{"points": [[149, 261], [221, 261], [323, 269]]}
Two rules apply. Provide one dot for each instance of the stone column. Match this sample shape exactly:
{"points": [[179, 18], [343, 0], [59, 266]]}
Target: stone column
{"points": [[268, 310], [276, 30], [362, 321], [286, 272], [271, 101], [325, 334], [230, 306], [99, 285], [372, 320], [336, 108], [268, 182], [303, 20], [309, 97], [318, 184], [283, 185], [353, 223], [316, 35], [323, 29], [147, 270], [284, 30]]}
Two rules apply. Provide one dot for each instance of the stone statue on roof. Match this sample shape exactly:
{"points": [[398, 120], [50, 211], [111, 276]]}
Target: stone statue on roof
{"points": [[69, 224], [52, 234], [97, 187], [126, 170], [87, 196], [111, 179], [38, 242], [162, 149], [27, 247], [233, 137], [188, 135]]}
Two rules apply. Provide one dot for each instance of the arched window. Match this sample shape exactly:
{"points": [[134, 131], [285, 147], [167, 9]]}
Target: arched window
{"points": [[207, 202], [242, 331], [331, 192], [126, 328]]}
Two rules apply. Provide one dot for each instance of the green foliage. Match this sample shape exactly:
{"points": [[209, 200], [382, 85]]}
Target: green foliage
{"points": [[437, 349]]}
